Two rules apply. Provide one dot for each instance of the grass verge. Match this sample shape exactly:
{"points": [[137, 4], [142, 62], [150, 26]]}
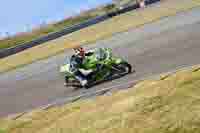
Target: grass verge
{"points": [[167, 104], [91, 34]]}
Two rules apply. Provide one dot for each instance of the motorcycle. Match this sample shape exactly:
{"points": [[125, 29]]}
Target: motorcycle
{"points": [[99, 65]]}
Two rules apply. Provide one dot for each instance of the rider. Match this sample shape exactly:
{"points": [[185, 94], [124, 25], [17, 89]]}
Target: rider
{"points": [[76, 62]]}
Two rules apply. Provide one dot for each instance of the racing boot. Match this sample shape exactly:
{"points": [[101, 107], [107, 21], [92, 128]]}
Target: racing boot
{"points": [[82, 79], [84, 83]]}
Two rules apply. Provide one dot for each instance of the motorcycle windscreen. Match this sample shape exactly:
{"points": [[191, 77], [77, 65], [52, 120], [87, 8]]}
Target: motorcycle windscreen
{"points": [[65, 68]]}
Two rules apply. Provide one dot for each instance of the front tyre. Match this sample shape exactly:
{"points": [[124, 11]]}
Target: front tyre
{"points": [[72, 83]]}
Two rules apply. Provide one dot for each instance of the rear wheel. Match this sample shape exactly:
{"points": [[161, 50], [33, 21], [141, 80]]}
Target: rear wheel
{"points": [[124, 69]]}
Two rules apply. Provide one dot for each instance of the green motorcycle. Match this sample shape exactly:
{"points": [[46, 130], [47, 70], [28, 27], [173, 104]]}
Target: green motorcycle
{"points": [[100, 65]]}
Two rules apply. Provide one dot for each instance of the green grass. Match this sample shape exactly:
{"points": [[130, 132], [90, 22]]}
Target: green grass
{"points": [[170, 105]]}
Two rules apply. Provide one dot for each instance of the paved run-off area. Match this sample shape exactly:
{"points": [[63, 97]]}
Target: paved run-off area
{"points": [[102, 30]]}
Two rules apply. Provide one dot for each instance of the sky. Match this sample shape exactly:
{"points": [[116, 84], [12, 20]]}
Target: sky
{"points": [[22, 15]]}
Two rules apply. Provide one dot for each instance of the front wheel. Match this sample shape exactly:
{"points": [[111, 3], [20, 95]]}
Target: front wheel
{"points": [[71, 83]]}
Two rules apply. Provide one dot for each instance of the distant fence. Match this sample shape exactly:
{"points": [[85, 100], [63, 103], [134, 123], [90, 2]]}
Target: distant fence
{"points": [[68, 30]]}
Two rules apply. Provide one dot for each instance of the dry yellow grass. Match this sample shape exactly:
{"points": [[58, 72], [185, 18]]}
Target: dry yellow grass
{"points": [[170, 105], [96, 32]]}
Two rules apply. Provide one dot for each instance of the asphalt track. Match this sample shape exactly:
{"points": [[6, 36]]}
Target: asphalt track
{"points": [[168, 44]]}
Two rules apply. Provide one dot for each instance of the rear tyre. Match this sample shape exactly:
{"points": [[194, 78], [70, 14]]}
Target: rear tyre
{"points": [[124, 68], [128, 67]]}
